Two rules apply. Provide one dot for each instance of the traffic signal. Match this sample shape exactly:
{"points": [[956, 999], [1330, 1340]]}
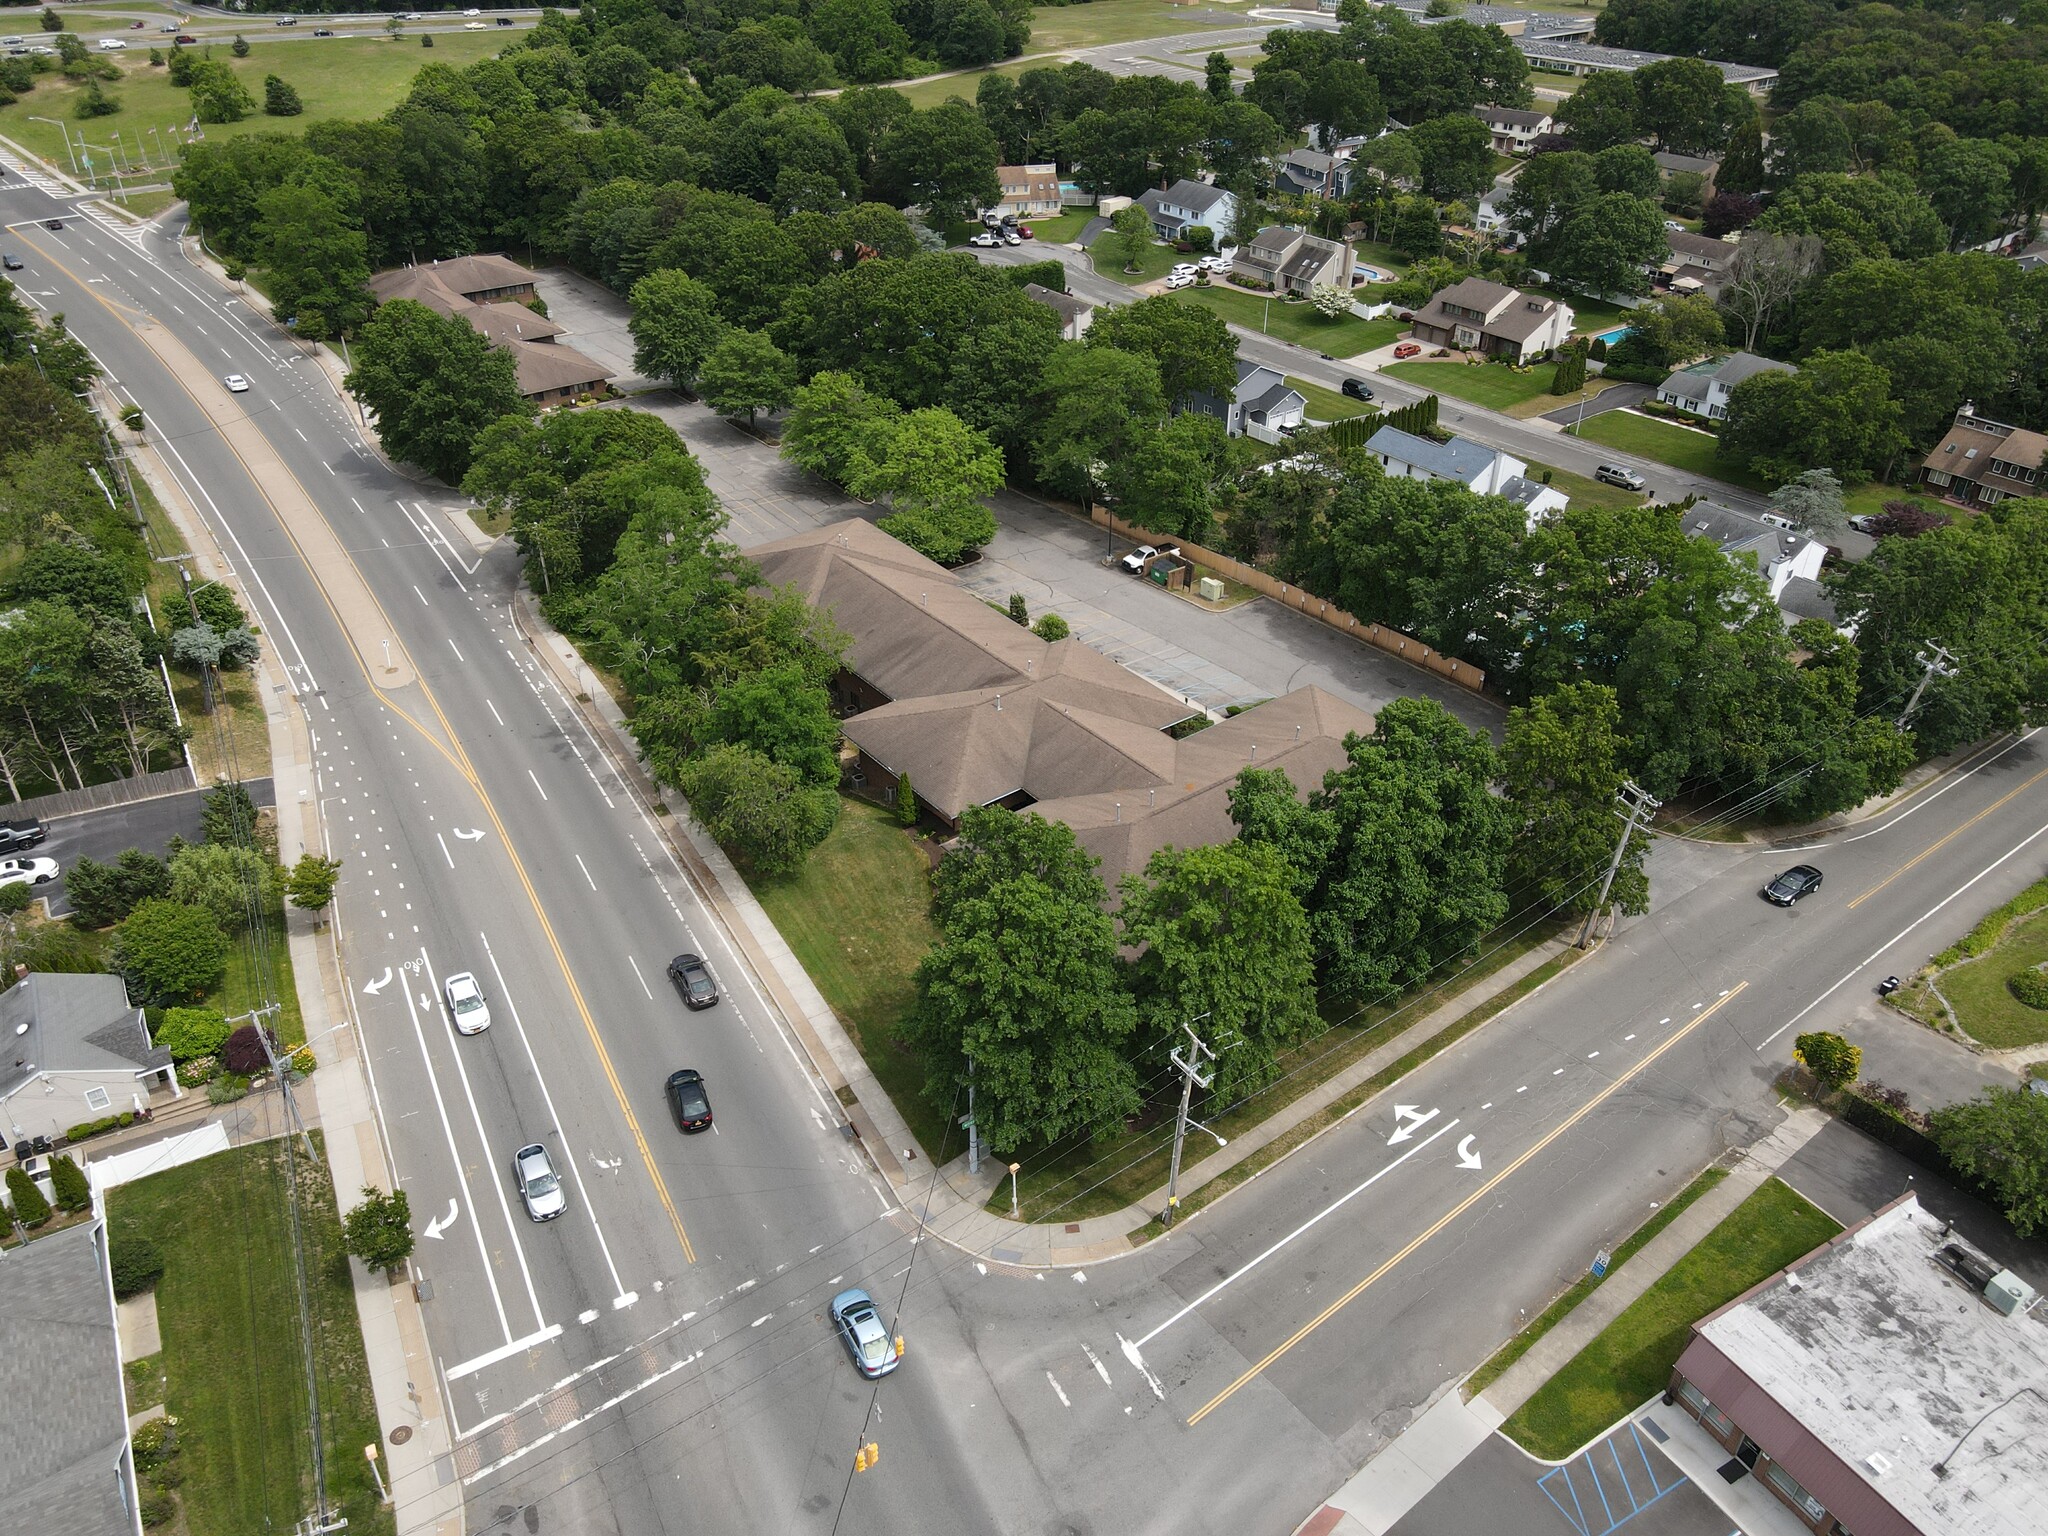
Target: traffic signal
{"points": [[866, 1456]]}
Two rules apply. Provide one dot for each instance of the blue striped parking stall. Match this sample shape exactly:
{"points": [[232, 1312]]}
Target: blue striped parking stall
{"points": [[1603, 1488]]}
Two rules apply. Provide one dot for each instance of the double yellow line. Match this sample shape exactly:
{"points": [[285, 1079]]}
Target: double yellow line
{"points": [[1461, 1208], [456, 758], [1933, 848]]}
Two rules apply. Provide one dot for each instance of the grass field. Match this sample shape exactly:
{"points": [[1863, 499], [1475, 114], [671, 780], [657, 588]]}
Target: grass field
{"points": [[1976, 988], [1630, 1360], [1297, 322], [1667, 443], [929, 93], [1056, 28], [1584, 490], [1061, 227], [232, 1363], [336, 77], [857, 916], [1490, 384]]}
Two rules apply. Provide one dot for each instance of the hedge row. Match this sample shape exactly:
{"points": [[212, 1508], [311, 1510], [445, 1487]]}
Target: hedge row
{"points": [[90, 1128], [1992, 928]]}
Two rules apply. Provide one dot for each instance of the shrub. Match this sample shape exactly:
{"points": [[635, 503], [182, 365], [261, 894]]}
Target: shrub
{"points": [[229, 815], [15, 899], [304, 1061], [68, 1179], [101, 894], [30, 1208], [169, 952], [226, 1088], [136, 1262], [246, 1052], [1019, 611], [379, 1231], [151, 1442], [198, 1072], [1051, 627], [1598, 351], [189, 1033], [1991, 927], [906, 801], [234, 884], [156, 1508], [310, 882], [2029, 987]]}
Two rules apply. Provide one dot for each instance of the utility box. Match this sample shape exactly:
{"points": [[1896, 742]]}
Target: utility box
{"points": [[2008, 1292], [1209, 589]]}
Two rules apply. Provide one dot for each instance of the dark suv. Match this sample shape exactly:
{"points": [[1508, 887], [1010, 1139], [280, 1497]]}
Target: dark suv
{"points": [[692, 978], [1357, 389]]}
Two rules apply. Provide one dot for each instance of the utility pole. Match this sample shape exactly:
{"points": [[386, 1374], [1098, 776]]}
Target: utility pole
{"points": [[973, 1130], [1635, 802], [1192, 1072], [1938, 661]]}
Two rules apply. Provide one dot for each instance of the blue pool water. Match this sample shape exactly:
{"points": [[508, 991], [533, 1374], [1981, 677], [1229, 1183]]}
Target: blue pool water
{"points": [[1369, 274], [1611, 337]]}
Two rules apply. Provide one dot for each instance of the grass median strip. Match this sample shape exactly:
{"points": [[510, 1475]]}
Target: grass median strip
{"points": [[1518, 1346], [1630, 1360], [1364, 1093]]}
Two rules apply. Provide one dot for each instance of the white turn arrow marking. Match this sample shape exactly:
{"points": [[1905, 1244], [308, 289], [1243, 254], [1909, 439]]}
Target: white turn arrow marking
{"points": [[1467, 1158], [1410, 1122], [471, 835], [441, 1224], [374, 987]]}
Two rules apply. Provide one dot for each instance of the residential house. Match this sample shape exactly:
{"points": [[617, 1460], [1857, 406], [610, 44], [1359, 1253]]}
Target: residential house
{"points": [[76, 1050], [490, 293], [1703, 388], [1264, 403], [1311, 173], [1514, 129], [1888, 1383], [1981, 462], [1481, 470], [1775, 547], [66, 1466], [1188, 204], [1669, 165], [1029, 191], [976, 710], [1491, 220], [1075, 314], [1474, 315], [1293, 261], [1694, 263]]}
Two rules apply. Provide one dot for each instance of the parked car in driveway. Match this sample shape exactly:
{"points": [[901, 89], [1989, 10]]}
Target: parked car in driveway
{"points": [[1408, 349], [1867, 522], [1176, 280], [466, 1005], [861, 1330], [985, 239], [688, 1101], [32, 871], [692, 978], [539, 1185], [25, 833], [1800, 880]]}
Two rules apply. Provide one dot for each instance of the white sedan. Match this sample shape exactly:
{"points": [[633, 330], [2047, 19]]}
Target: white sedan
{"points": [[474, 26], [237, 385], [27, 871], [466, 1004]]}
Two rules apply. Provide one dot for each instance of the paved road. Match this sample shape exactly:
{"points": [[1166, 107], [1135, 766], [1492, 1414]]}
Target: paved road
{"points": [[1274, 1342], [1539, 440], [665, 1335]]}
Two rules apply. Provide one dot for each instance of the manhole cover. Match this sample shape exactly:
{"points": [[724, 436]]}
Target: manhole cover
{"points": [[401, 1434]]}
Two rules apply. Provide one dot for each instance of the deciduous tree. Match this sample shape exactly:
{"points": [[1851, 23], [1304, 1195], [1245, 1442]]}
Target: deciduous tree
{"points": [[433, 383], [168, 952], [379, 1230], [675, 325], [2001, 1138], [760, 811], [935, 471], [747, 372], [1562, 768]]}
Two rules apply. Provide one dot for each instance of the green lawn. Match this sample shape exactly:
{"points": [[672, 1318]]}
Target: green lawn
{"points": [[1976, 989], [232, 1356], [1327, 404], [1061, 227], [1584, 490], [858, 916], [336, 77], [1668, 443], [1493, 385], [1297, 321], [1630, 1360], [1155, 261], [929, 93], [1056, 28]]}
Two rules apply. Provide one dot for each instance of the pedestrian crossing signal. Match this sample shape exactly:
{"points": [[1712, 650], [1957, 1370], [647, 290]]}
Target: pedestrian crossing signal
{"points": [[867, 1456]]}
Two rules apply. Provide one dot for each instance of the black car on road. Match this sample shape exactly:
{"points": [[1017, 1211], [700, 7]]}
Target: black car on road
{"points": [[688, 1101], [1357, 389], [1800, 880], [692, 978]]}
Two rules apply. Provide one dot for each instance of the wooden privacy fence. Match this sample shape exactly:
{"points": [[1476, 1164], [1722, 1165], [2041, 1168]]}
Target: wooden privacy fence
{"points": [[1392, 641], [96, 797]]}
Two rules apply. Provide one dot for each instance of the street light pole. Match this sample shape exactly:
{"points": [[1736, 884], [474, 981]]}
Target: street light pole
{"points": [[66, 131]]}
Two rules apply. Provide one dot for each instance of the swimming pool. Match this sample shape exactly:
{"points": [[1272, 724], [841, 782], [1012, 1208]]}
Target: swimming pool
{"points": [[1611, 337], [1366, 274]]}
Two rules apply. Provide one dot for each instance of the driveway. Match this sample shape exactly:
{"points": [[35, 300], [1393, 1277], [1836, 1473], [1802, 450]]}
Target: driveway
{"points": [[1613, 398]]}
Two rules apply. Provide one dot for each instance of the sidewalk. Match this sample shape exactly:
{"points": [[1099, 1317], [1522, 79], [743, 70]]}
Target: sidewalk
{"points": [[341, 1098], [952, 1204], [1450, 1429]]}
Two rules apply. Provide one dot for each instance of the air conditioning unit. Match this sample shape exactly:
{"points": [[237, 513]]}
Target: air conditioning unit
{"points": [[2009, 1293]]}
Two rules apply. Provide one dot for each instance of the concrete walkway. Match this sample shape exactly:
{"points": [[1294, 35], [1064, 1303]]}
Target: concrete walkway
{"points": [[1431, 1448]]}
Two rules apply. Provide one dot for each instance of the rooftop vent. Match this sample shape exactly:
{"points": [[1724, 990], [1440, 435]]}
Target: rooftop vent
{"points": [[1878, 1462], [1973, 1269]]}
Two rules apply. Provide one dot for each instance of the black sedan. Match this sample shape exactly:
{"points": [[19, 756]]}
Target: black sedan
{"points": [[688, 1101], [1800, 880], [692, 978]]}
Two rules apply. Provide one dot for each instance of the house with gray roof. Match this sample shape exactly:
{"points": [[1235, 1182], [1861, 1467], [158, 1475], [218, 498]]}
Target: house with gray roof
{"points": [[1311, 173], [75, 1050], [1771, 545], [1186, 204], [1514, 129], [1263, 404], [1703, 388], [1481, 470], [66, 1468], [1290, 260], [1075, 314]]}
